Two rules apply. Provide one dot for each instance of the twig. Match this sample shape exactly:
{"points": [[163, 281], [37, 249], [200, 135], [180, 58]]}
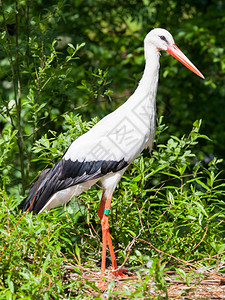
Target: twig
{"points": [[7, 214], [170, 255], [128, 249], [49, 280], [201, 239]]}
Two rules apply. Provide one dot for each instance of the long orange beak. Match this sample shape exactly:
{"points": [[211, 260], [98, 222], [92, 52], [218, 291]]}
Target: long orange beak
{"points": [[179, 55]]}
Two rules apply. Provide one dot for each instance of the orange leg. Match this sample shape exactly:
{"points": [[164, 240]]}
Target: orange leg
{"points": [[103, 212]]}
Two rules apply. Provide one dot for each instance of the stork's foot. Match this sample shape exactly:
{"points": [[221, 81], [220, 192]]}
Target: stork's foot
{"points": [[120, 273]]}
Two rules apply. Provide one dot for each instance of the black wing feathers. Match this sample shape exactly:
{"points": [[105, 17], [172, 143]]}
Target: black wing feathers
{"points": [[64, 174]]}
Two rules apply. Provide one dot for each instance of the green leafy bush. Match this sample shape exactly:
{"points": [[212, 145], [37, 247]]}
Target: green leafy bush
{"points": [[165, 203]]}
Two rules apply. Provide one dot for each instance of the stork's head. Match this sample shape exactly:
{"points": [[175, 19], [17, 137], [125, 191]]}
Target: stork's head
{"points": [[161, 39]]}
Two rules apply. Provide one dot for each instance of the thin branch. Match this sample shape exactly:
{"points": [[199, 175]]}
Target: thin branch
{"points": [[167, 254], [21, 144], [128, 250], [202, 239]]}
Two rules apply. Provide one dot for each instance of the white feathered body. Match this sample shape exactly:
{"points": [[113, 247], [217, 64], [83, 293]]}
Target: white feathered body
{"points": [[106, 150]]}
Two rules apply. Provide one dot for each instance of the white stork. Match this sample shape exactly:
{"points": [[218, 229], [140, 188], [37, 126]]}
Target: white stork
{"points": [[106, 150]]}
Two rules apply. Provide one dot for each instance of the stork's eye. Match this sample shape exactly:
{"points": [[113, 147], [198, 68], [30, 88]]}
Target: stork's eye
{"points": [[162, 37]]}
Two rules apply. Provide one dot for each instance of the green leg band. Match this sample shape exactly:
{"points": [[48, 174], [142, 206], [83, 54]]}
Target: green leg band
{"points": [[106, 211]]}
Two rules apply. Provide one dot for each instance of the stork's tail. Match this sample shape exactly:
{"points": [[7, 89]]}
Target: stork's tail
{"points": [[29, 202]]}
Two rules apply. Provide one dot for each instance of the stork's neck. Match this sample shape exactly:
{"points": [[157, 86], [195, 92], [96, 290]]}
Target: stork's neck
{"points": [[147, 87]]}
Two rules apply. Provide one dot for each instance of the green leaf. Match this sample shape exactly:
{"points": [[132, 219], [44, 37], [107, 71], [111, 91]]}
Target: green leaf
{"points": [[203, 184], [201, 208], [71, 46]]}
